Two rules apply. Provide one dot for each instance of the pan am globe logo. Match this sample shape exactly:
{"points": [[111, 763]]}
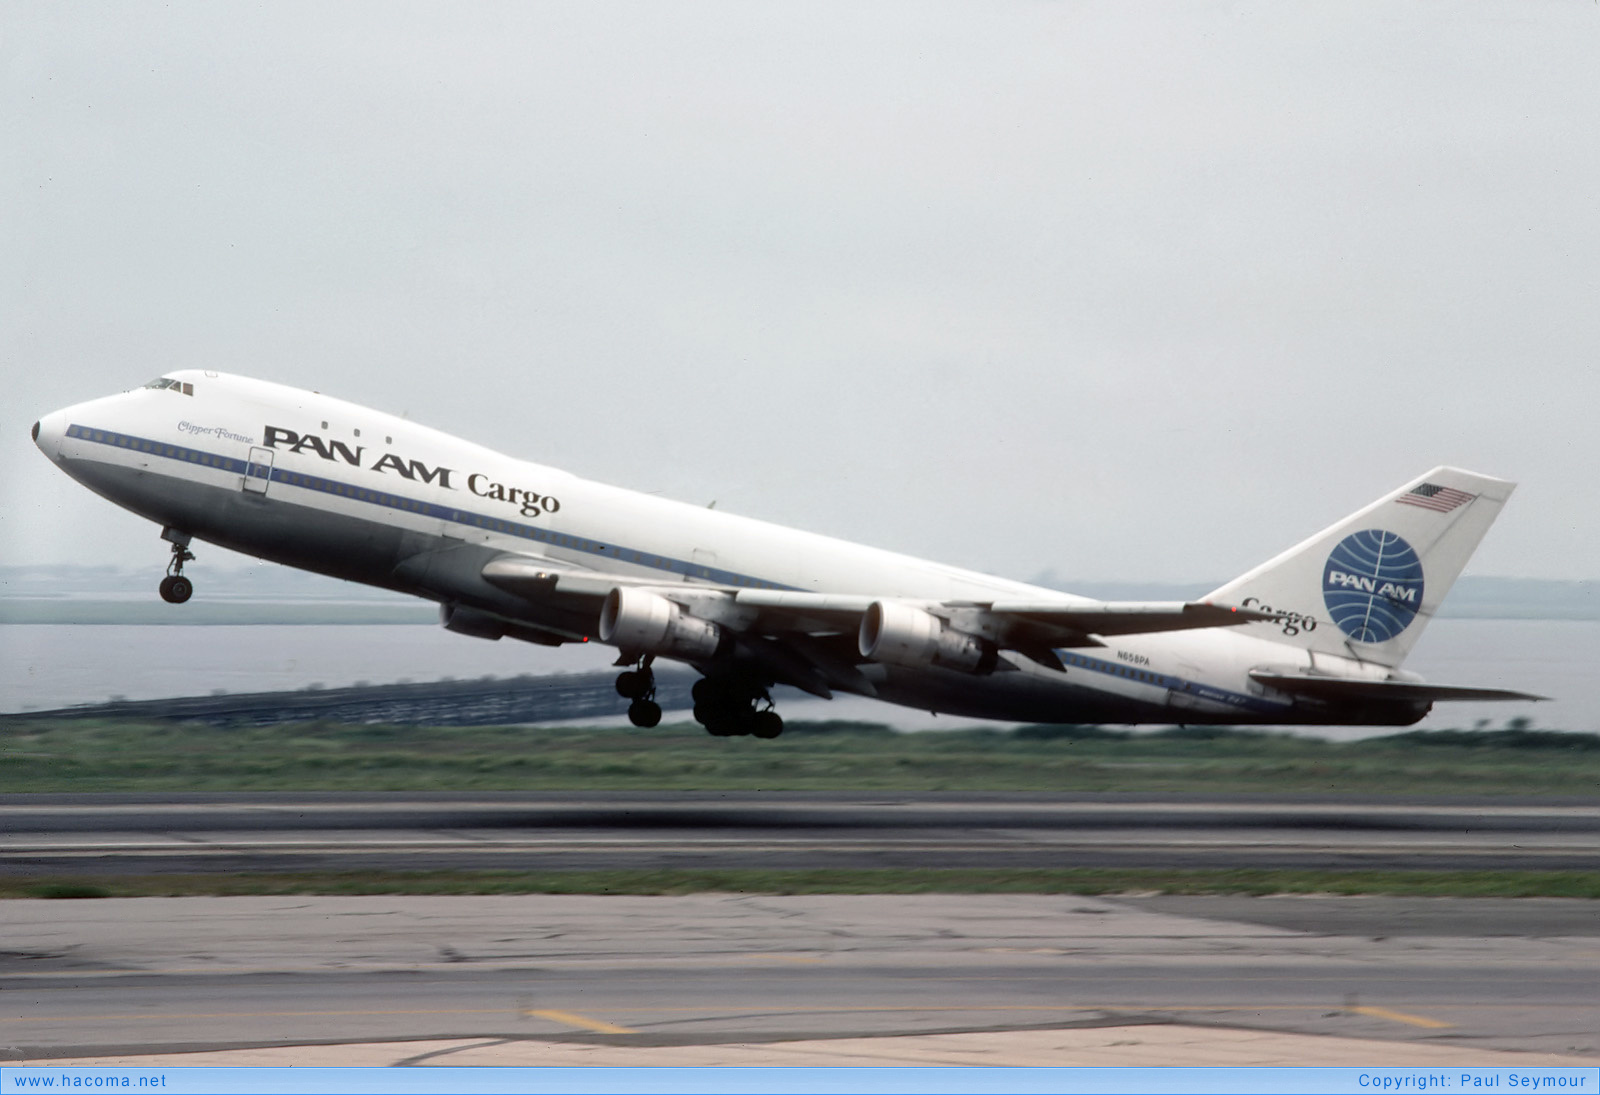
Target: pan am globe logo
{"points": [[1372, 585]]}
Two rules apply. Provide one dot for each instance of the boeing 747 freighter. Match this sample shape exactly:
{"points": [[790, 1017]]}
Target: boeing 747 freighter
{"points": [[512, 549]]}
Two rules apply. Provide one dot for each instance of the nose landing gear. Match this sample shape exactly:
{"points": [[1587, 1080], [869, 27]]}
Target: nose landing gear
{"points": [[175, 588], [639, 685]]}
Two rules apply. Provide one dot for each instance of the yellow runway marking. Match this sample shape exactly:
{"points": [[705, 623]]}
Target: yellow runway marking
{"points": [[582, 1022], [1401, 1017]]}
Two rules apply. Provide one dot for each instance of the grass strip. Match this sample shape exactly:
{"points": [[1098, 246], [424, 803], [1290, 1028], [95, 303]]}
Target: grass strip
{"points": [[1085, 881], [123, 757]]}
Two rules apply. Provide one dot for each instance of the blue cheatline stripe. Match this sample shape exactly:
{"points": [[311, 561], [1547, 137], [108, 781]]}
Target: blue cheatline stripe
{"points": [[158, 448], [452, 514], [1196, 689], [652, 560]]}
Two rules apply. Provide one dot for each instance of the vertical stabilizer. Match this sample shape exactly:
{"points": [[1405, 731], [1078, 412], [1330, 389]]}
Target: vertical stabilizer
{"points": [[1367, 586]]}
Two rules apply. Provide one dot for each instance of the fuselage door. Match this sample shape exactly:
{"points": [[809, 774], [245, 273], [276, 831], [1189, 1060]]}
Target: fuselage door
{"points": [[258, 470], [702, 566]]}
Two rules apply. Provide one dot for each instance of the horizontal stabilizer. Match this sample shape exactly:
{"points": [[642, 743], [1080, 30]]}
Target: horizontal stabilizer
{"points": [[1346, 688]]}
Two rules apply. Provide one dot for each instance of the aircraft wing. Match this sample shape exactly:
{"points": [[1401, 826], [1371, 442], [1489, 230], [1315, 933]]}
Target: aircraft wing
{"points": [[1032, 628], [809, 639], [1067, 624], [1345, 688]]}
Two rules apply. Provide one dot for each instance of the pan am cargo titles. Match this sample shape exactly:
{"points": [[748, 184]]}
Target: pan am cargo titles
{"points": [[530, 503]]}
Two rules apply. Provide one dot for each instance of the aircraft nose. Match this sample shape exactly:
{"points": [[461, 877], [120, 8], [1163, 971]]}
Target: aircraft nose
{"points": [[48, 432]]}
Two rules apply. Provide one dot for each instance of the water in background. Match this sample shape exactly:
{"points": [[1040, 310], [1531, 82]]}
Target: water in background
{"points": [[44, 665], [55, 665]]}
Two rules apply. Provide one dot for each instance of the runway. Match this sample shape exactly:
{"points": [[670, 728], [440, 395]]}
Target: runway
{"points": [[86, 835], [500, 978], [526, 979]]}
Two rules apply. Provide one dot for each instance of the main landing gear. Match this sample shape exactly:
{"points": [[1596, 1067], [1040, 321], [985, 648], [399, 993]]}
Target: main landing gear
{"points": [[731, 706], [175, 588], [639, 685], [727, 706]]}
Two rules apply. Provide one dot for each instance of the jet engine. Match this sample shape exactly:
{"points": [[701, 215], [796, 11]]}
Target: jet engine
{"points": [[900, 634], [638, 620]]}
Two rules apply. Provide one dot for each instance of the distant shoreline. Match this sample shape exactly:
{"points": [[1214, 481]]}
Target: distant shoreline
{"points": [[23, 611]]}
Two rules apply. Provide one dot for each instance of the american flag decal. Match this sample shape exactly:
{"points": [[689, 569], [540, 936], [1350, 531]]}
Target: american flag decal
{"points": [[1437, 498]]}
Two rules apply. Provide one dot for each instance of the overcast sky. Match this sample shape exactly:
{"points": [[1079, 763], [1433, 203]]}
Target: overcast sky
{"points": [[1119, 291]]}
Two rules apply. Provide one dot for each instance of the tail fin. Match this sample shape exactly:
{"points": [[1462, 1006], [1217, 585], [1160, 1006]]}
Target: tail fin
{"points": [[1366, 587]]}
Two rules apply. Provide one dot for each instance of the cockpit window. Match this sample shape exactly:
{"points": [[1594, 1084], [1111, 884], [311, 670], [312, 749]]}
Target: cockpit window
{"points": [[168, 382]]}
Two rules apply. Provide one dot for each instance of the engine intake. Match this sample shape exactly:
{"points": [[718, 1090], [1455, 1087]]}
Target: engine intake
{"points": [[637, 620], [899, 634]]}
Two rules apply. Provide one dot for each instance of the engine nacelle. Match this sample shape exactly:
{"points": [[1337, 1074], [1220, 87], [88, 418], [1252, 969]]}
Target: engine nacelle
{"points": [[470, 621], [899, 634], [486, 625], [648, 623]]}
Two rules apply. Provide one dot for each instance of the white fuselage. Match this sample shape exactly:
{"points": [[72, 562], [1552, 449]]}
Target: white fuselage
{"points": [[314, 482]]}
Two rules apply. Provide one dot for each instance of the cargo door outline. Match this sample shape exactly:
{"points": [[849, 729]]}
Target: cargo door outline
{"points": [[1185, 696]]}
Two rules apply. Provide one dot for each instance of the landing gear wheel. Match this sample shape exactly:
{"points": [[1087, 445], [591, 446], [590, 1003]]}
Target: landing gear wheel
{"points": [[639, 685], [176, 589], [722, 720], [635, 684], [644, 713], [766, 724], [731, 706]]}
